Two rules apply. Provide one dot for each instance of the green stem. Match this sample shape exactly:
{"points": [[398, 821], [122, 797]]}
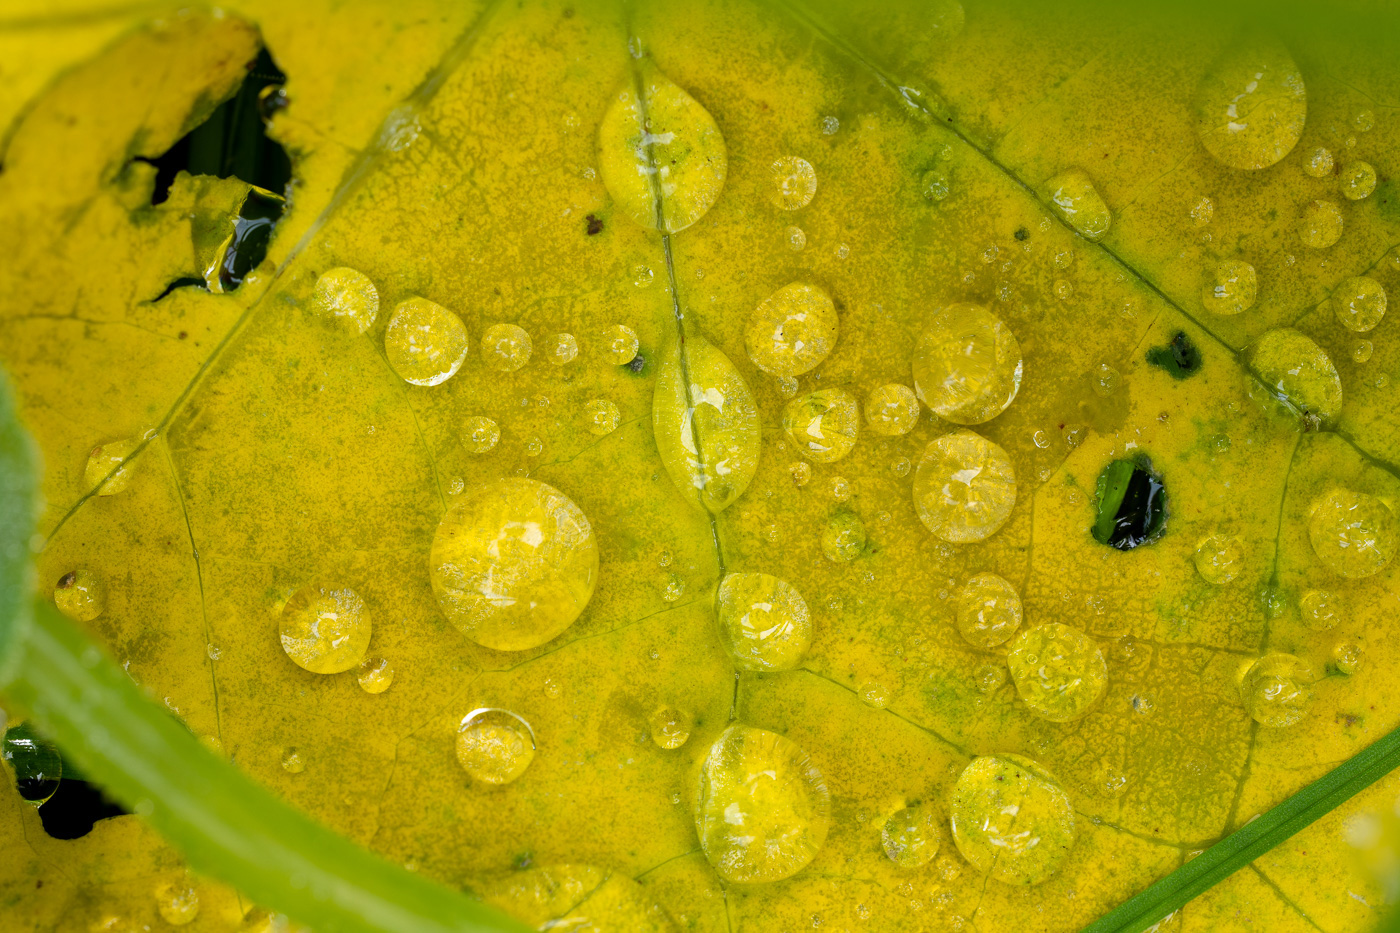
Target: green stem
{"points": [[228, 826]]}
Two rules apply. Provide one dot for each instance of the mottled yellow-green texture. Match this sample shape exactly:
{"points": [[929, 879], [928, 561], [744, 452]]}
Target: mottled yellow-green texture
{"points": [[459, 154]]}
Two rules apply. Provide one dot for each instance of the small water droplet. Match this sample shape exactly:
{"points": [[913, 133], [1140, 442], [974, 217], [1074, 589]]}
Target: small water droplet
{"points": [[348, 296], [964, 487], [479, 434], [1352, 533], [325, 629], [642, 276], [376, 675], [935, 184], [1359, 303], [562, 349], [1358, 180], [552, 688], [1075, 198], [823, 425], [1361, 352], [839, 488], [601, 416], [425, 343], [1346, 657], [80, 595], [1219, 558], [505, 347], [843, 537], [1277, 689], [801, 472], [1230, 287], [989, 610], [1320, 225], [670, 728], [764, 624], [794, 237], [495, 746], [794, 183], [874, 694], [1011, 819], [620, 344], [901, 466], [1202, 211], [892, 409], [1059, 671], [1105, 380], [792, 330], [911, 837], [178, 902], [292, 761]]}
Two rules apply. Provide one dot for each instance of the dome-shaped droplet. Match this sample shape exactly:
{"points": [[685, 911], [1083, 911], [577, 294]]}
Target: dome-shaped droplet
{"points": [[178, 902], [763, 622], [1075, 198], [1358, 180], [892, 409], [1320, 225], [1251, 105], [562, 349], [663, 145], [706, 427], [989, 610], [843, 536], [1359, 303], [425, 342], [1059, 671], [376, 675], [325, 629], [110, 458], [480, 434], [1320, 609], [794, 183], [1346, 657], [348, 296], [505, 347], [80, 595], [795, 237], [1011, 819], [1230, 288], [1277, 689], [792, 330], [1295, 370], [292, 761], [964, 488], [1219, 558], [823, 425], [601, 417], [620, 344], [495, 746], [1318, 162], [967, 365], [910, 837], [513, 563], [669, 727], [762, 809], [1352, 533]]}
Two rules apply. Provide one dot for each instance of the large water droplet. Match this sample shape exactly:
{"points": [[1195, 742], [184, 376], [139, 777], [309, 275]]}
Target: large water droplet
{"points": [[1075, 198], [495, 746], [1352, 533], [823, 425], [425, 343], [964, 488], [792, 330], [762, 809], [1059, 671], [1297, 371], [1011, 819], [1251, 105], [661, 144], [505, 347], [707, 429], [80, 595], [1321, 224], [910, 836], [1277, 689], [763, 622], [794, 183], [348, 296], [325, 629], [1359, 303], [1230, 288], [989, 610], [513, 563], [892, 410], [967, 366]]}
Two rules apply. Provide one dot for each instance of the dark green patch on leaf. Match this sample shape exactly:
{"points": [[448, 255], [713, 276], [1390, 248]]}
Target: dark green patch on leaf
{"points": [[1180, 357]]}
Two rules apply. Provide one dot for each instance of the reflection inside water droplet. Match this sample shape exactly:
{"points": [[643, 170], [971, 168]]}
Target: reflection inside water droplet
{"points": [[495, 746]]}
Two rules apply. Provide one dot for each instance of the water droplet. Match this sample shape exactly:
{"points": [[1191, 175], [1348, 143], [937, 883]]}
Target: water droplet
{"points": [[1358, 179], [1011, 819], [967, 366], [787, 386], [1105, 380], [1346, 657], [347, 295], [562, 349], [670, 728], [843, 537], [35, 761], [1277, 689], [1219, 558], [892, 409], [534, 447], [620, 344], [1041, 440], [911, 837], [1075, 198], [642, 276], [1362, 351], [325, 629], [935, 184], [762, 809], [479, 434], [1359, 303], [552, 688], [874, 694], [677, 154], [178, 903], [80, 595], [794, 237], [376, 675], [1321, 224], [1230, 287], [794, 183], [823, 425], [292, 761], [104, 459], [495, 746], [601, 416], [840, 488], [989, 678], [1295, 370], [1063, 290], [801, 472], [425, 343], [792, 330], [707, 430], [505, 347], [1320, 609], [1251, 105], [1318, 162], [763, 622], [1203, 211], [830, 125], [989, 610], [1059, 671], [513, 563], [1364, 121], [901, 466], [1352, 533], [964, 488], [674, 588]]}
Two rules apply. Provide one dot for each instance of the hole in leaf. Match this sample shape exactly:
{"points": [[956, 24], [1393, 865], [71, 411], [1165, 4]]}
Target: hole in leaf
{"points": [[1180, 358], [182, 282], [75, 808], [1132, 505], [34, 760]]}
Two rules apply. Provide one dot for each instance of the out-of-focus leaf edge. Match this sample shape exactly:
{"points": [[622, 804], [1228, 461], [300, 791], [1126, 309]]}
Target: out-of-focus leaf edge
{"points": [[228, 827], [1254, 839]]}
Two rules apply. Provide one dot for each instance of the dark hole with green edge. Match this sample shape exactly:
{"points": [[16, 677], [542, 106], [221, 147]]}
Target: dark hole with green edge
{"points": [[1132, 505], [1180, 357]]}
